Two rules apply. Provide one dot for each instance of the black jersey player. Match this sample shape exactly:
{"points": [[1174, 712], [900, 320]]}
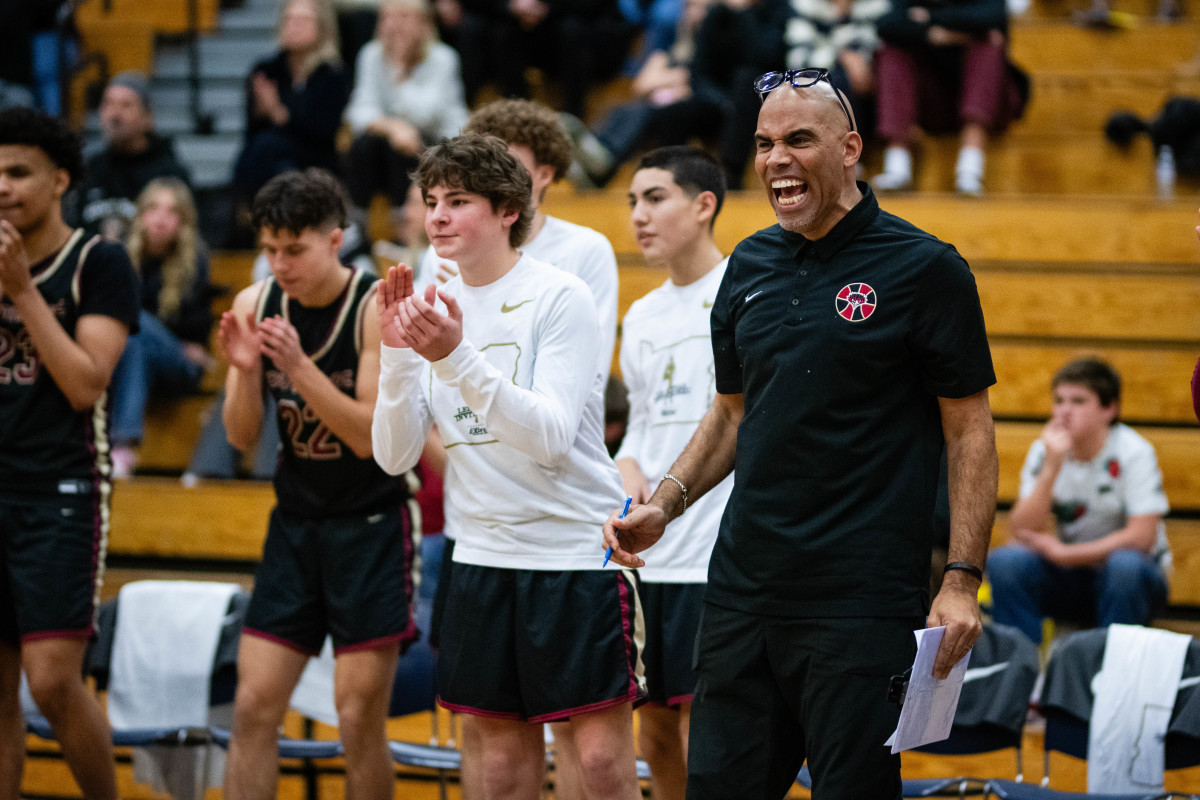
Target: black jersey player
{"points": [[337, 555], [67, 305]]}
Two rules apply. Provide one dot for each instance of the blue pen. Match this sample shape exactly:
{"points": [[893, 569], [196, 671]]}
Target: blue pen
{"points": [[624, 511]]}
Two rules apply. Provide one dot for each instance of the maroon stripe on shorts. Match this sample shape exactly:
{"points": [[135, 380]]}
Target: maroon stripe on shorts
{"points": [[631, 657], [479, 712], [279, 640], [68, 633], [382, 641]]}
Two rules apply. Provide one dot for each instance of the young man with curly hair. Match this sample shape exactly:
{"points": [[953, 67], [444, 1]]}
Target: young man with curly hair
{"points": [[535, 630]]}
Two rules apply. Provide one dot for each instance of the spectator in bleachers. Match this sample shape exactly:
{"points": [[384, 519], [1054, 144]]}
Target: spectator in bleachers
{"points": [[133, 155], [666, 109], [294, 101], [738, 41], [408, 93], [17, 21], [679, 98], [465, 25], [169, 353], [1090, 544], [840, 36], [355, 26], [55, 46], [657, 19], [413, 240], [944, 66], [575, 42]]}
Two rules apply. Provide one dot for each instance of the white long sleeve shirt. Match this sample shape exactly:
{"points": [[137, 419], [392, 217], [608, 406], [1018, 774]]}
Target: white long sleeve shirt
{"points": [[520, 408], [578, 250], [430, 98], [667, 363]]}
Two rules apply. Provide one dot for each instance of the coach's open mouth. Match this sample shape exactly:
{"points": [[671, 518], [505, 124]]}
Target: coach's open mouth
{"points": [[789, 191]]}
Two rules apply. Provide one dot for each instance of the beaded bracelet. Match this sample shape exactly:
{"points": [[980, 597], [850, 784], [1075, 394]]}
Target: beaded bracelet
{"points": [[682, 489]]}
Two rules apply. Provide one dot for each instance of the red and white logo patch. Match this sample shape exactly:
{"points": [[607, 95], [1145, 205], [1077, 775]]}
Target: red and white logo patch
{"points": [[855, 302]]}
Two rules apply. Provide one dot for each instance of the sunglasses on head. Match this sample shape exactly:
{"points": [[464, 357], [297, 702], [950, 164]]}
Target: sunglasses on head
{"points": [[800, 78]]}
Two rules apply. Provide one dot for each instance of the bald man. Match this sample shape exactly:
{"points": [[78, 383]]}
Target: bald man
{"points": [[849, 348]]}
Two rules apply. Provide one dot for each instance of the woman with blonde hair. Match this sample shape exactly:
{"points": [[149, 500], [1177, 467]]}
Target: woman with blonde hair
{"points": [[294, 99], [169, 351], [408, 93]]}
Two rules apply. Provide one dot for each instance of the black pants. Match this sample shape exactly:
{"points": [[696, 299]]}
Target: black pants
{"points": [[373, 166], [772, 691], [577, 51], [636, 125]]}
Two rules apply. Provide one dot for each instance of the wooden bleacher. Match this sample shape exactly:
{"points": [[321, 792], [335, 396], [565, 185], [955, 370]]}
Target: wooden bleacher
{"points": [[1073, 254], [124, 30]]}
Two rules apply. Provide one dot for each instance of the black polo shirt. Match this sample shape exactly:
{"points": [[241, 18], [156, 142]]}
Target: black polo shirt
{"points": [[840, 348]]}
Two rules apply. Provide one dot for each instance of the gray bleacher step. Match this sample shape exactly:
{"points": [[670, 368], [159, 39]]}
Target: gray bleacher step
{"points": [[178, 121], [219, 58], [215, 94], [210, 159], [244, 36], [250, 19]]}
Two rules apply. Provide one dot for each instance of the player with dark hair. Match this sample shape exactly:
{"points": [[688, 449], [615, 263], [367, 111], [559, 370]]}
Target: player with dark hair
{"points": [[338, 555], [667, 362], [691, 170], [534, 630], [67, 304]]}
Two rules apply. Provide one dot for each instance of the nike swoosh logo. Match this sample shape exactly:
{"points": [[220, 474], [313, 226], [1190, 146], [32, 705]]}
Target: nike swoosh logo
{"points": [[750, 297], [371, 520], [505, 308], [707, 304], [976, 673]]}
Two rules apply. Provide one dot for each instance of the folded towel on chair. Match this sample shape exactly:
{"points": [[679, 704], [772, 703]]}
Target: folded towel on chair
{"points": [[1135, 692]]}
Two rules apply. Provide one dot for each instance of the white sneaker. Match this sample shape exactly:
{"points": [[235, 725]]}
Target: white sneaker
{"points": [[969, 184], [897, 171], [892, 182], [968, 172]]}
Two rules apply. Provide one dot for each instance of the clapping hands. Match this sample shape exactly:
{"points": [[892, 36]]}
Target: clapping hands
{"points": [[409, 319]]}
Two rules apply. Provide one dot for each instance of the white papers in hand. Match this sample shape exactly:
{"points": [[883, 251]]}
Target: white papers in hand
{"points": [[929, 705]]}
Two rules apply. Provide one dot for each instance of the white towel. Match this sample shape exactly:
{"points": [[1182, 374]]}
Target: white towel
{"points": [[162, 660], [1135, 691]]}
